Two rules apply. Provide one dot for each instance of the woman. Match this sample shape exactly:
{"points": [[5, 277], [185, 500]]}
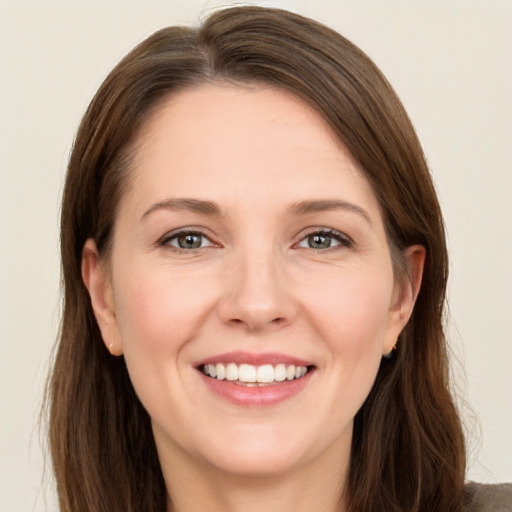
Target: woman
{"points": [[254, 268]]}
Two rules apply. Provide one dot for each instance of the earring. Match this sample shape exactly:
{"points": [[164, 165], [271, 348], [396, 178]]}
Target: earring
{"points": [[389, 354], [111, 347]]}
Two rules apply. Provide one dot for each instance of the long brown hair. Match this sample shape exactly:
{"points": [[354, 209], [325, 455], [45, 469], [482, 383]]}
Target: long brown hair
{"points": [[408, 449]]}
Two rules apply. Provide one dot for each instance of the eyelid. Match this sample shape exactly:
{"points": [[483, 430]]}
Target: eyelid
{"points": [[172, 235], [343, 239]]}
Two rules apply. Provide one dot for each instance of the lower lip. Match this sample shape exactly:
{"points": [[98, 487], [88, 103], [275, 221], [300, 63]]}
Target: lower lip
{"points": [[256, 396]]}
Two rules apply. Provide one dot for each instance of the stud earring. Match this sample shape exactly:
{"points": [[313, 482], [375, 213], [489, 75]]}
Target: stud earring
{"points": [[389, 355]]}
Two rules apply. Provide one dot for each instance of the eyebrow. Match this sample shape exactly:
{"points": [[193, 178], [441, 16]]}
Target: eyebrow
{"points": [[322, 205], [212, 209], [188, 204]]}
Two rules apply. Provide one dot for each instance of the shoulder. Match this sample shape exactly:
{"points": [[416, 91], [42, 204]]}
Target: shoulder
{"points": [[488, 497]]}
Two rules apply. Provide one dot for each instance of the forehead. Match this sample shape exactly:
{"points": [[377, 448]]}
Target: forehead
{"points": [[242, 141]]}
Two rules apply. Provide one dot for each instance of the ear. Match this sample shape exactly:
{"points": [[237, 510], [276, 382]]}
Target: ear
{"points": [[97, 281], [404, 296]]}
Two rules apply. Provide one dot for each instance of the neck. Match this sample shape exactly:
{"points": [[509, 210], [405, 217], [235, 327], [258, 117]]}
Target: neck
{"points": [[316, 486]]}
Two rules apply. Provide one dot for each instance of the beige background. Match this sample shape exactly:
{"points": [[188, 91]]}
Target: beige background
{"points": [[451, 63]]}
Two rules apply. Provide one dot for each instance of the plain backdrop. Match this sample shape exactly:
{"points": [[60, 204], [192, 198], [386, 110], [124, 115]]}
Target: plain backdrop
{"points": [[450, 62]]}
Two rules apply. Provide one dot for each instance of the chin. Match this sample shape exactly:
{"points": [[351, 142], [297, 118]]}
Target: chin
{"points": [[268, 450], [250, 461]]}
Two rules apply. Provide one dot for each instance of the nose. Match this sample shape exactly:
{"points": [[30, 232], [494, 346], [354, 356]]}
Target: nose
{"points": [[257, 294]]}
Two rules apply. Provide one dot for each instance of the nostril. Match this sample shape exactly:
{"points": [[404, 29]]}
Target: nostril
{"points": [[275, 321]]}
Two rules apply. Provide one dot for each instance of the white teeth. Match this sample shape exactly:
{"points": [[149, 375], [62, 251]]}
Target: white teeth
{"points": [[253, 375], [280, 372], [231, 371], [247, 373], [265, 373], [220, 370]]}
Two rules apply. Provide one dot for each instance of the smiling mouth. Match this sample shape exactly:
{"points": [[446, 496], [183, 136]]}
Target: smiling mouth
{"points": [[255, 376]]}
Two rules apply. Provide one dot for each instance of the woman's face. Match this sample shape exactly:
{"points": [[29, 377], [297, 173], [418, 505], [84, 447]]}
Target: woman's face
{"points": [[249, 246]]}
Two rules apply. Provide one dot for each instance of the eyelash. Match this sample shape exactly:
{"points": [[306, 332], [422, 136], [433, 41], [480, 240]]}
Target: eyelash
{"points": [[165, 241], [343, 240]]}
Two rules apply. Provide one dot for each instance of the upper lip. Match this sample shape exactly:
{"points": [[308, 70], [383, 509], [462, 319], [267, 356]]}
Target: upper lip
{"points": [[255, 359]]}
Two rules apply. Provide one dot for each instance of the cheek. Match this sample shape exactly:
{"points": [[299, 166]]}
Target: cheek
{"points": [[352, 310], [158, 314], [158, 310], [350, 316]]}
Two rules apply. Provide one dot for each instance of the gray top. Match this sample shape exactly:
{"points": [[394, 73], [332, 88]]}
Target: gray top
{"points": [[489, 497]]}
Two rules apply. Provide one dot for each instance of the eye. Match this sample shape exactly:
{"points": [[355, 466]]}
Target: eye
{"points": [[324, 239], [187, 240]]}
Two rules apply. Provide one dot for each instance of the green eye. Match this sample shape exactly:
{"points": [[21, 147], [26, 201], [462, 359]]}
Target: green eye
{"points": [[319, 241], [187, 240], [325, 240]]}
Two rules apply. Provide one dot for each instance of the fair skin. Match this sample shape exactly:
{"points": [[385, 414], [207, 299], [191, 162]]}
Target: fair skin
{"points": [[248, 235]]}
